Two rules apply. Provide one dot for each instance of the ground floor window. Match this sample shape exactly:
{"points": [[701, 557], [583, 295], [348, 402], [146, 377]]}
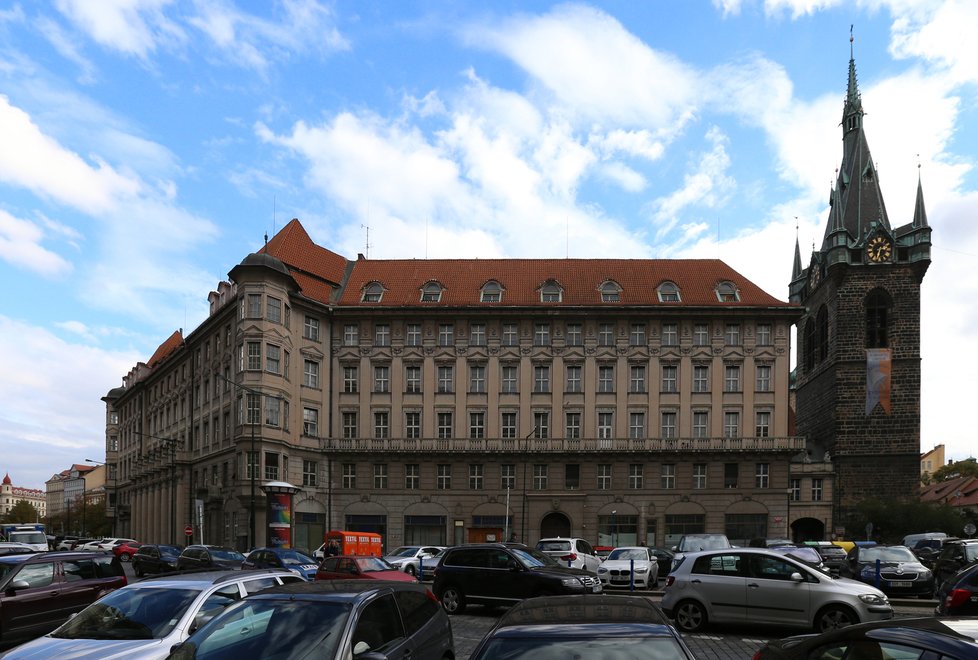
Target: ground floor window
{"points": [[678, 525], [425, 530], [376, 524], [742, 527], [616, 529], [309, 531]]}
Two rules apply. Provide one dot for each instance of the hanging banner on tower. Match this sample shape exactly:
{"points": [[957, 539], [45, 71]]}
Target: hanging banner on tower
{"points": [[877, 379]]}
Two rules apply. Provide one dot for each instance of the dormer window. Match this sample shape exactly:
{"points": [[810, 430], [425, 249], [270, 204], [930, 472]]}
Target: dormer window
{"points": [[727, 292], [492, 292], [669, 292], [373, 292], [431, 292], [551, 292], [610, 292]]}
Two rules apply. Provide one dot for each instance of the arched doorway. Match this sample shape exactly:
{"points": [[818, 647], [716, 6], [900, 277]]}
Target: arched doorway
{"points": [[554, 524], [807, 529]]}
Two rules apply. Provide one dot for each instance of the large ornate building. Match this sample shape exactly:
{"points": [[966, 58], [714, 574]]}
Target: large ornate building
{"points": [[11, 494]]}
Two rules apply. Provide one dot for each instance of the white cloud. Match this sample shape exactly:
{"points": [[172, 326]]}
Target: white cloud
{"points": [[624, 176], [20, 245], [133, 27], [67, 47], [944, 36]]}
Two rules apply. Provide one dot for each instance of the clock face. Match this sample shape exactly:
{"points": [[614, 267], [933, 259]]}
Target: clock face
{"points": [[879, 249], [814, 275]]}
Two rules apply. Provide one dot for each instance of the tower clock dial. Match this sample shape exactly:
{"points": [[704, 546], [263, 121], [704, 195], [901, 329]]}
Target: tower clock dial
{"points": [[814, 275], [879, 249]]}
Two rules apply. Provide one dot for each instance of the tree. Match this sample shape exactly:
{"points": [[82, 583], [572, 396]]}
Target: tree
{"points": [[22, 512], [965, 468], [892, 520]]}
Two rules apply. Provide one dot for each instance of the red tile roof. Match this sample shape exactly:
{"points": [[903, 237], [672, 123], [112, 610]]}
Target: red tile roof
{"points": [[293, 247], [174, 342]]}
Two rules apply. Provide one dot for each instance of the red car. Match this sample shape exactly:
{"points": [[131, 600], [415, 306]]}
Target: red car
{"points": [[124, 551], [355, 568]]}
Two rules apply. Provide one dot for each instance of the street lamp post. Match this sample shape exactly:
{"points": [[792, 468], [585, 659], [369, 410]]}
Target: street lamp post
{"points": [[526, 442], [614, 528]]}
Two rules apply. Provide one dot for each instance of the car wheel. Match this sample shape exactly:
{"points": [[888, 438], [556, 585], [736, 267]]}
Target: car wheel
{"points": [[125, 556], [690, 616], [410, 570], [834, 616], [453, 600], [138, 570]]}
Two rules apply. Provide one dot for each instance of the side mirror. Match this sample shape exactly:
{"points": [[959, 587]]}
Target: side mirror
{"points": [[797, 577], [17, 585]]}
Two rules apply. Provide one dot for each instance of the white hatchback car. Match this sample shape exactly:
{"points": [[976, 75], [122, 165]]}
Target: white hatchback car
{"points": [[628, 566], [571, 552], [753, 584]]}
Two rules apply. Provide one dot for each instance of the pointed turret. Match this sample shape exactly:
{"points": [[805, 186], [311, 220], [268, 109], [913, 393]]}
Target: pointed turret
{"points": [[796, 267], [919, 212]]}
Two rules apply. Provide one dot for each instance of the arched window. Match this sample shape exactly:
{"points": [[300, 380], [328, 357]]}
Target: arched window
{"points": [[373, 292], [492, 292], [877, 319], [551, 292], [810, 345], [431, 292], [669, 292], [610, 291], [822, 323], [727, 292]]}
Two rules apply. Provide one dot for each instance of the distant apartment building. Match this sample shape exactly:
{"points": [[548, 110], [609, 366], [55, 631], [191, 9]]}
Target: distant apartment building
{"points": [[11, 494]]}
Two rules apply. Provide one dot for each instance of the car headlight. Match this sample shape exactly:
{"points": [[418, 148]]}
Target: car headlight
{"points": [[642, 569], [874, 599], [602, 570], [570, 582]]}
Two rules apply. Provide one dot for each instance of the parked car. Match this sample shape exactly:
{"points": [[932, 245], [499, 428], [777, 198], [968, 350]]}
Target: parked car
{"points": [[900, 572], [90, 545], [108, 544], [950, 638], [664, 558], [754, 584], [602, 551], [39, 591], [409, 558], [910, 540], [629, 566], [125, 550], [14, 548], [143, 620], [571, 552], [66, 542], [958, 595], [151, 558], [833, 556], [590, 627], [503, 574], [360, 568], [290, 560], [954, 556], [209, 556], [333, 620], [803, 554], [697, 542]]}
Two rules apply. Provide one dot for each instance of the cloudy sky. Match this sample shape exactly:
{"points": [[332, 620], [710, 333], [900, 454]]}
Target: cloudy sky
{"points": [[146, 146]]}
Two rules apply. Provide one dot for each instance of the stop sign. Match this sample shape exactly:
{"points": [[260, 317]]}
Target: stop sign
{"points": [[188, 530]]}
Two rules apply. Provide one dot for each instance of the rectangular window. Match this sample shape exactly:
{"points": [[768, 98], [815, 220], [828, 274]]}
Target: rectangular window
{"points": [[351, 380], [509, 379], [310, 422], [636, 425], [507, 476], [477, 424], [731, 334], [816, 490], [606, 378], [445, 427], [731, 378], [670, 334], [254, 305], [380, 476], [572, 428], [350, 476], [572, 476], [606, 334], [763, 334], [275, 411], [446, 334], [604, 476], [731, 475], [573, 382], [446, 379], [350, 424], [541, 378], [699, 476], [271, 466], [762, 473], [731, 424], [794, 485], [476, 476], [382, 424], [254, 355], [382, 334], [252, 469], [670, 378], [382, 378], [254, 409], [412, 334], [668, 476], [638, 336], [762, 424], [701, 378], [444, 476], [541, 475], [541, 334], [763, 377], [669, 418], [636, 379], [412, 378], [541, 421], [477, 334], [274, 310], [477, 378], [511, 336], [412, 424], [636, 476], [606, 425], [701, 334], [575, 336], [272, 359], [507, 424], [351, 334], [701, 424], [310, 373], [310, 472], [310, 330], [412, 476]]}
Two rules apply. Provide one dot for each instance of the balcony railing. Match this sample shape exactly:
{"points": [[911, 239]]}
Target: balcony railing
{"points": [[564, 445]]}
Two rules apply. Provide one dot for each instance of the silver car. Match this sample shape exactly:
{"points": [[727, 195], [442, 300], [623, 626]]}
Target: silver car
{"points": [[143, 620], [752, 584], [411, 558], [571, 552]]}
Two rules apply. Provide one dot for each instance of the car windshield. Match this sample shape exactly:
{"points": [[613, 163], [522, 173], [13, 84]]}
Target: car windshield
{"points": [[804, 554], [583, 648], [259, 628], [294, 558], [6, 569], [130, 614], [893, 553], [228, 555], [404, 551], [533, 558], [373, 564], [694, 543], [971, 551], [554, 546], [169, 551], [29, 537], [629, 553]]}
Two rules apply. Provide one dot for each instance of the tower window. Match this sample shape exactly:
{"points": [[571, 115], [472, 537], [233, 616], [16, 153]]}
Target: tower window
{"points": [[877, 319]]}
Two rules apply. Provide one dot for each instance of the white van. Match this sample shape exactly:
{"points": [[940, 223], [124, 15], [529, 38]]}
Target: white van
{"points": [[910, 540]]}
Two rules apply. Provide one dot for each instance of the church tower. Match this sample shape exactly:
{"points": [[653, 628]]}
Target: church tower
{"points": [[858, 367]]}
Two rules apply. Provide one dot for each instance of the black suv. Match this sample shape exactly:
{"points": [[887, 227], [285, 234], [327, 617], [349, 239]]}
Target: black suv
{"points": [[955, 555], [502, 574], [209, 557]]}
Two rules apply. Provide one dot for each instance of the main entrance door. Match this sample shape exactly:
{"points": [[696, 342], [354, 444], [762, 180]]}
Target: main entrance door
{"points": [[554, 524]]}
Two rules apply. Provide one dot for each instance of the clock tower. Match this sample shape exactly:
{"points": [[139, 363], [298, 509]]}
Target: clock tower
{"points": [[858, 366]]}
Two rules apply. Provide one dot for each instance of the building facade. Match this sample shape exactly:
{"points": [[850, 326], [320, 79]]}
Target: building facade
{"points": [[858, 374], [11, 494]]}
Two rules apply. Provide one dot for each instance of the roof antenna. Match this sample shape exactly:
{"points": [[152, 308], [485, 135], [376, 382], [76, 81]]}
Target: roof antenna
{"points": [[851, 39], [266, 239], [367, 244]]}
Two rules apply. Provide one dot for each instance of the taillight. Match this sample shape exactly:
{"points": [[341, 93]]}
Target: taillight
{"points": [[569, 557], [670, 579], [957, 598], [430, 595]]}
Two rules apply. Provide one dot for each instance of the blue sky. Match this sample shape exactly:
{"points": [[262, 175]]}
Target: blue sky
{"points": [[146, 146]]}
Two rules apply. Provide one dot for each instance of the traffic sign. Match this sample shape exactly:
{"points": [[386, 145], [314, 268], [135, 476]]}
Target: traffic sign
{"points": [[189, 530]]}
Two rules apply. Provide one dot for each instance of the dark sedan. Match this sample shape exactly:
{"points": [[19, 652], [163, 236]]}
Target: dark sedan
{"points": [[896, 638], [958, 596], [210, 557], [291, 560], [150, 559], [893, 569], [664, 558]]}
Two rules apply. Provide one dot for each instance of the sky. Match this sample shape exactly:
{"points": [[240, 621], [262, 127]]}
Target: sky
{"points": [[147, 146]]}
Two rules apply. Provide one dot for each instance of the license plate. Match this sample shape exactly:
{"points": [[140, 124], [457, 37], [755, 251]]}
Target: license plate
{"points": [[622, 580], [901, 584]]}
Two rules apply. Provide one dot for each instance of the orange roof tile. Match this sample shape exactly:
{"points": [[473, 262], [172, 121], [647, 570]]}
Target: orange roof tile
{"points": [[293, 247], [174, 342]]}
